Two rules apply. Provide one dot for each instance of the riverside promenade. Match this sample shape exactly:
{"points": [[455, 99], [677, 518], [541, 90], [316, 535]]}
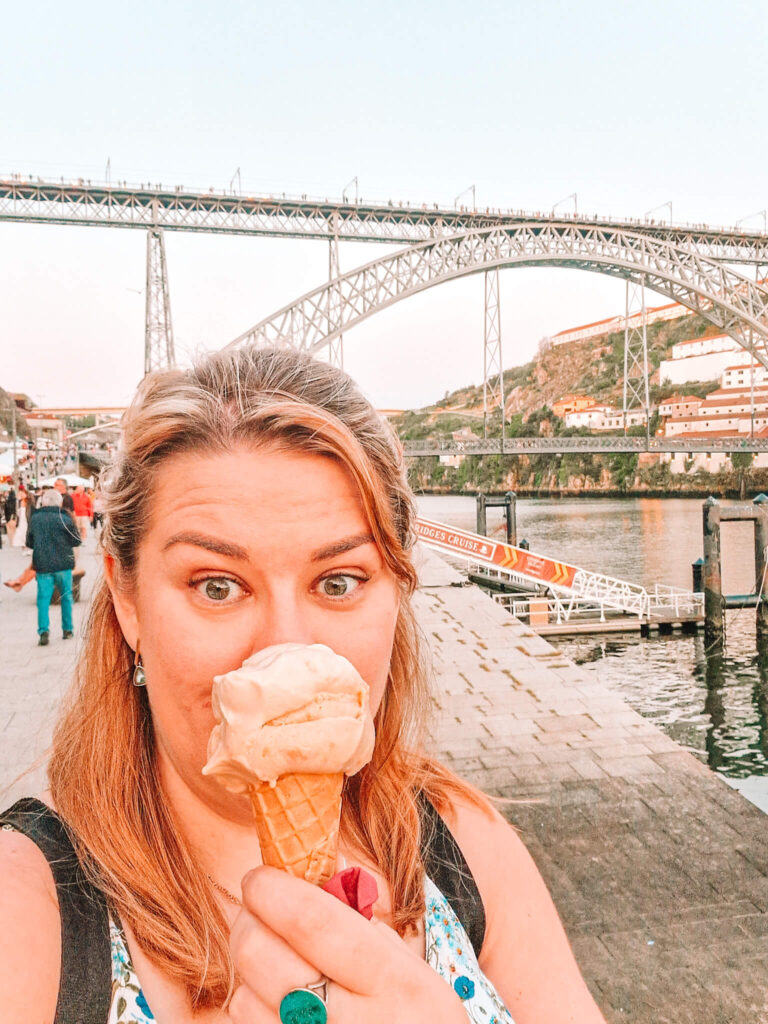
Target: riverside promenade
{"points": [[659, 869]]}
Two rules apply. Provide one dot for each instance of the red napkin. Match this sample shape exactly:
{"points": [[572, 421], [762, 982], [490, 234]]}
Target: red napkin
{"points": [[356, 888]]}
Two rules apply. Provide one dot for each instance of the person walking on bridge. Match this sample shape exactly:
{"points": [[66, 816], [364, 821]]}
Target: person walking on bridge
{"points": [[52, 535]]}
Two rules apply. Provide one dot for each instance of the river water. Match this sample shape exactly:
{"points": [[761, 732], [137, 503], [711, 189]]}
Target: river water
{"points": [[713, 702]]}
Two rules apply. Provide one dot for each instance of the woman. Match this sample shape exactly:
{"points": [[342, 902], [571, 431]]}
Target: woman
{"points": [[11, 514], [21, 525], [259, 499]]}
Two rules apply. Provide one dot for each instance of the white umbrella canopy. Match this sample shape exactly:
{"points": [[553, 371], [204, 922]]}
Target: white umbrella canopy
{"points": [[73, 480], [6, 463]]}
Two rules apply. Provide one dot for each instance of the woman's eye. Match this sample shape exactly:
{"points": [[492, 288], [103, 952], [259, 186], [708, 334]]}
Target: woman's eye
{"points": [[341, 585], [218, 588]]}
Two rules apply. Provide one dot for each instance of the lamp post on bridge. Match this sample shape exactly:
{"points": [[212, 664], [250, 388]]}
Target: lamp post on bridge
{"points": [[471, 189], [559, 202], [661, 206]]}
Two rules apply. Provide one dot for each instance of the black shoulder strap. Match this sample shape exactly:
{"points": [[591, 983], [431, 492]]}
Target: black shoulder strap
{"points": [[85, 987], [447, 867]]}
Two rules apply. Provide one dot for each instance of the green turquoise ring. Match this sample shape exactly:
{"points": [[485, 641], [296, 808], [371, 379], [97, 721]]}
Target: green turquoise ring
{"points": [[303, 1006]]}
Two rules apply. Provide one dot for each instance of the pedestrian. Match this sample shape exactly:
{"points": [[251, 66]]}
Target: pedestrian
{"points": [[66, 498], [19, 539], [98, 511], [52, 535], [83, 509], [11, 514]]}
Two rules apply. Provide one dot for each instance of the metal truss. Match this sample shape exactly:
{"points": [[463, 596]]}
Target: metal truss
{"points": [[493, 369], [583, 445], [158, 331], [177, 209], [727, 299], [635, 391], [336, 343]]}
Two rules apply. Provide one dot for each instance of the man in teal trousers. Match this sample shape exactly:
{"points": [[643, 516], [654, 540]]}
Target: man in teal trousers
{"points": [[52, 535]]}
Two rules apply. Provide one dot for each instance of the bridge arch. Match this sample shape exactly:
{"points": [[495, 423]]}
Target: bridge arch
{"points": [[727, 299]]}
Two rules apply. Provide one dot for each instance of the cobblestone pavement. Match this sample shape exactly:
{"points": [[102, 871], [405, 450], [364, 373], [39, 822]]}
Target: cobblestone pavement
{"points": [[659, 870], [33, 679]]}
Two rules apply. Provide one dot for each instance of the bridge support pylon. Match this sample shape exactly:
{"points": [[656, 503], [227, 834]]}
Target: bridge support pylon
{"points": [[335, 345], [636, 392], [159, 353], [493, 371]]}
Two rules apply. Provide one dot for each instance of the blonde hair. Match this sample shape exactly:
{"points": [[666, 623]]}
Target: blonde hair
{"points": [[102, 771]]}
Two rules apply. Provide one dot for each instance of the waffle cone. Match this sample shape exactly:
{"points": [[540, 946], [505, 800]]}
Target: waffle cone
{"points": [[297, 820]]}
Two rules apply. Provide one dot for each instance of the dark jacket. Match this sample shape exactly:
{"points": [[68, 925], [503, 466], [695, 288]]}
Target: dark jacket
{"points": [[10, 506], [52, 534]]}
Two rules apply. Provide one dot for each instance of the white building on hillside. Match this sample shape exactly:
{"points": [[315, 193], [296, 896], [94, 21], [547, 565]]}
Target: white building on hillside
{"points": [[699, 359], [604, 417], [617, 323], [679, 405], [740, 375]]}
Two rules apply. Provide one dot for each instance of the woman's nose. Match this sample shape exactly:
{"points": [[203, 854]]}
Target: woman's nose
{"points": [[285, 620]]}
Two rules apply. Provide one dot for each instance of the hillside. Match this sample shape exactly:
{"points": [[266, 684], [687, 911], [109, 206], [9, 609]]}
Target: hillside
{"points": [[593, 367]]}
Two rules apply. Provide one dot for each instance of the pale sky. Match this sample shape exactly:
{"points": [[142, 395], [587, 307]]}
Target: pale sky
{"points": [[628, 106]]}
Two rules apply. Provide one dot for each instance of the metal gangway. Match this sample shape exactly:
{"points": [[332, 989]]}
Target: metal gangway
{"points": [[571, 590]]}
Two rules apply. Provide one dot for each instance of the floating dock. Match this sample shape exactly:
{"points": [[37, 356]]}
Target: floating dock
{"points": [[556, 598]]}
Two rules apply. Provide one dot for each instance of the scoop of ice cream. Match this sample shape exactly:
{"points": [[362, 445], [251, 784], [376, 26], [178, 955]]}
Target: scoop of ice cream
{"points": [[288, 709]]}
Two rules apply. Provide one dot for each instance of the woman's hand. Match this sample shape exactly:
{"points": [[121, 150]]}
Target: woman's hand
{"points": [[290, 933]]}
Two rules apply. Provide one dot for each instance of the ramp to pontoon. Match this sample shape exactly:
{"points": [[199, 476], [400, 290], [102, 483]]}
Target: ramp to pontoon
{"points": [[527, 568]]}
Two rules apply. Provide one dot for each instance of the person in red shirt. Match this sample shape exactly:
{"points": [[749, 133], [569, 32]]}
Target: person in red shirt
{"points": [[83, 507]]}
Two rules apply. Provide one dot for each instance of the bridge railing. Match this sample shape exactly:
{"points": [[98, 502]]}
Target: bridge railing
{"points": [[609, 443], [25, 188]]}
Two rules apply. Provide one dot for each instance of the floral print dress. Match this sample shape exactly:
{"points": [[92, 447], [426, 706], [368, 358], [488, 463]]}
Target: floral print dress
{"points": [[448, 951]]}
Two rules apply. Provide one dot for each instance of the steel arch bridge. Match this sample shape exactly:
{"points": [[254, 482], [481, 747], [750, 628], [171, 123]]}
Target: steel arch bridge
{"points": [[735, 304]]}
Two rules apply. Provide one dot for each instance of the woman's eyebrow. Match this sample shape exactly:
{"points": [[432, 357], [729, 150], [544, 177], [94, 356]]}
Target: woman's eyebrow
{"points": [[200, 540], [341, 546]]}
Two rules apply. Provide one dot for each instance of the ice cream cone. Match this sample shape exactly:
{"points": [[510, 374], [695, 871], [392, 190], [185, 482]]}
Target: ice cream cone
{"points": [[297, 820]]}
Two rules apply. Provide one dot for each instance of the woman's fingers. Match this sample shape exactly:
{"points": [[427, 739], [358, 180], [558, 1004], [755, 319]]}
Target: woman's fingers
{"points": [[246, 1007], [336, 939], [268, 964]]}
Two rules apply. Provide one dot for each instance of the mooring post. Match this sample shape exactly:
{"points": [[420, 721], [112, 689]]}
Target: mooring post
{"points": [[713, 586], [482, 526], [761, 562], [511, 510]]}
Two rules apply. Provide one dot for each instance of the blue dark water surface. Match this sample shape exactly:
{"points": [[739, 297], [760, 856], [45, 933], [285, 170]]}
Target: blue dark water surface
{"points": [[714, 703]]}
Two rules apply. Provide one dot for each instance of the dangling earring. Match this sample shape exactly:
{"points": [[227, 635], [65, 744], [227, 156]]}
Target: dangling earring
{"points": [[139, 675]]}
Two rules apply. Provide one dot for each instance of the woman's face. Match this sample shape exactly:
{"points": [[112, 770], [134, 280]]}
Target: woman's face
{"points": [[243, 551]]}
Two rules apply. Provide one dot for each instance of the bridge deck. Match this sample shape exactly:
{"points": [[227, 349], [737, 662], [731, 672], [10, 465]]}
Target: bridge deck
{"points": [[561, 445], [120, 204]]}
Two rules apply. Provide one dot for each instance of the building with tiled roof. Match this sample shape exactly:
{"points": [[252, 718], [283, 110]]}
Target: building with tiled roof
{"points": [[571, 403], [598, 328]]}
